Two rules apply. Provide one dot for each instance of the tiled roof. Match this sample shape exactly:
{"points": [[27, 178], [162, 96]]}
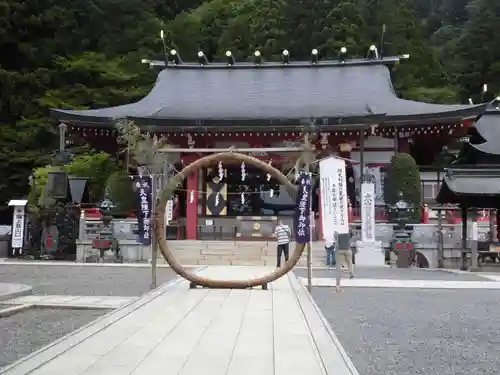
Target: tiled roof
{"points": [[488, 126], [478, 188], [326, 94]]}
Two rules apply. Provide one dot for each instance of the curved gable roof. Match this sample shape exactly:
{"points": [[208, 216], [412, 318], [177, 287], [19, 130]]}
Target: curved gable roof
{"points": [[488, 126], [333, 93]]}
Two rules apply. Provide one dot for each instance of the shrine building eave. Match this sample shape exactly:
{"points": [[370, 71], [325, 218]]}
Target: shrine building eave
{"points": [[488, 126], [478, 188], [327, 95]]}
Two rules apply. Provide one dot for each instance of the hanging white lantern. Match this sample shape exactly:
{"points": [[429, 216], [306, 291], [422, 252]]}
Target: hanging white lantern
{"points": [[271, 193], [243, 171], [221, 171], [191, 196], [242, 198], [217, 199]]}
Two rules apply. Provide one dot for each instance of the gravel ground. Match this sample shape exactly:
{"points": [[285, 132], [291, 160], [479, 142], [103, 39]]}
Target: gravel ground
{"points": [[27, 331], [396, 274], [403, 332], [84, 281]]}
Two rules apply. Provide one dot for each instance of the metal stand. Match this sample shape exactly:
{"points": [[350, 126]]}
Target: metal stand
{"points": [[154, 243], [307, 161]]}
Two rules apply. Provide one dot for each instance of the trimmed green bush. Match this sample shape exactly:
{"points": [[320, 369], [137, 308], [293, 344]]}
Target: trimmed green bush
{"points": [[119, 190], [403, 178]]}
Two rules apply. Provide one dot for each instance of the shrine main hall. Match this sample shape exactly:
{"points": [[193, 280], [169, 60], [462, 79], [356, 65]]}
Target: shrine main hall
{"points": [[349, 107]]}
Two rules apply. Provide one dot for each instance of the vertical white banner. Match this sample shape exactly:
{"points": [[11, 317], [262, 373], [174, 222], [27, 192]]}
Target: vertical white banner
{"points": [[333, 188], [18, 228], [367, 212]]}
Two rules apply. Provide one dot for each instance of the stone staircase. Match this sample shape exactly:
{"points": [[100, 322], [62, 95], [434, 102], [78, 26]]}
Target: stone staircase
{"points": [[238, 253]]}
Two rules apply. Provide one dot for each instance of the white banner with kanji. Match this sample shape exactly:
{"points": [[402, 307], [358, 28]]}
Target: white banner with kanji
{"points": [[333, 189], [18, 228]]}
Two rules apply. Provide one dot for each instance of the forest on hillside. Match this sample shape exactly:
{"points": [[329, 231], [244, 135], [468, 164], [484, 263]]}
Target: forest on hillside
{"points": [[86, 54]]}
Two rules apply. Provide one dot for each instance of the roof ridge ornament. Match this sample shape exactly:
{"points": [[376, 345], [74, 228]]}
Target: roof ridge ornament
{"points": [[230, 58], [314, 56], [257, 57], [372, 53], [285, 55], [176, 58], [342, 54], [202, 58]]}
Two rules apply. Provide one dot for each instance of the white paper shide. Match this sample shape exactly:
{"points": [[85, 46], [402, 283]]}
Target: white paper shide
{"points": [[333, 188]]}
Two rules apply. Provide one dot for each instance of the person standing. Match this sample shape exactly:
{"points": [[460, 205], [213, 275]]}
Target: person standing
{"points": [[343, 254], [330, 252], [282, 233]]}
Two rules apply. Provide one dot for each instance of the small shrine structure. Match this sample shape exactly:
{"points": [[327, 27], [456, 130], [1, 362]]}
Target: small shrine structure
{"points": [[473, 184]]}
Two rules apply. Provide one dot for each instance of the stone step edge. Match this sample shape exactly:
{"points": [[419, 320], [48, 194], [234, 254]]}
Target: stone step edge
{"points": [[14, 309]]}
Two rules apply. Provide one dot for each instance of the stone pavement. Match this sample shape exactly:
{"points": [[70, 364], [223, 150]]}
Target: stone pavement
{"points": [[174, 330], [418, 284], [75, 302], [8, 291], [408, 331]]}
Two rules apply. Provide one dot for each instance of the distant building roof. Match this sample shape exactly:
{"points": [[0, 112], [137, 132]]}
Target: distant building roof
{"points": [[488, 126], [326, 94], [478, 188]]}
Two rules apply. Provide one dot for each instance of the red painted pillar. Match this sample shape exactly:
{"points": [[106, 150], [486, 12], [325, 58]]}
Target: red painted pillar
{"points": [[192, 205], [404, 145]]}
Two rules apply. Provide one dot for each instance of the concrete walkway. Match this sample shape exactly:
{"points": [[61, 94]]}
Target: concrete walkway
{"points": [[176, 331], [74, 302]]}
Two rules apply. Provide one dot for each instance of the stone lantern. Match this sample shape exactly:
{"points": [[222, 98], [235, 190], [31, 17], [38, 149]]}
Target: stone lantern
{"points": [[106, 239], [401, 242]]}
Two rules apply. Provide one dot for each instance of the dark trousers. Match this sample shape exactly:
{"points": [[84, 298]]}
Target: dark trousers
{"points": [[282, 249]]}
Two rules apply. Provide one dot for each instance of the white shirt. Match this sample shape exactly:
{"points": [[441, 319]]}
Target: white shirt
{"points": [[329, 243], [282, 233]]}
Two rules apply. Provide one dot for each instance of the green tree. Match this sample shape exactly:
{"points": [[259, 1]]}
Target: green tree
{"points": [[405, 34], [403, 180], [478, 51], [96, 167], [119, 190], [69, 54]]}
